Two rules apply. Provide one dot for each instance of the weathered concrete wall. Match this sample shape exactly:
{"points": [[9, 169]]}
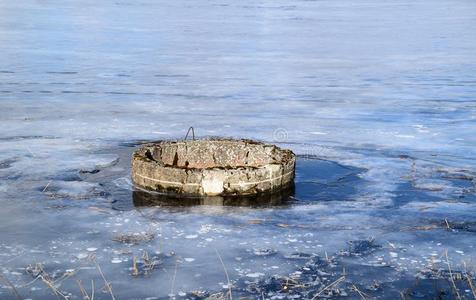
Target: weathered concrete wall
{"points": [[213, 167]]}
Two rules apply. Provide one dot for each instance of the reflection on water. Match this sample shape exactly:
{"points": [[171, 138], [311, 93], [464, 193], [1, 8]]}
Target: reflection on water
{"points": [[146, 198]]}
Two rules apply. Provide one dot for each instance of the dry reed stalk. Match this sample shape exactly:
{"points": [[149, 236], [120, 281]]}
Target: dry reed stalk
{"points": [[46, 280], [362, 294], [339, 280], [108, 284], [451, 275], [173, 280], [12, 287], [92, 289], [44, 190], [402, 296], [448, 227], [135, 270], [83, 290], [470, 281], [226, 274]]}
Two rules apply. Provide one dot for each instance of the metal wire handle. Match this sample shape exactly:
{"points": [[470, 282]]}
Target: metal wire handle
{"points": [[193, 133]]}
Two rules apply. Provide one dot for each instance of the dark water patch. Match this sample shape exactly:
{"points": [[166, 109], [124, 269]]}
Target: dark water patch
{"points": [[26, 137], [187, 96], [171, 75], [300, 256], [133, 143], [7, 163], [343, 190], [324, 171], [62, 72], [70, 92], [321, 180], [121, 93], [130, 93], [91, 171], [361, 247]]}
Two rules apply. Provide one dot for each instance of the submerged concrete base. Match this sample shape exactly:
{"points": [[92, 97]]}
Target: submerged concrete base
{"points": [[213, 167]]}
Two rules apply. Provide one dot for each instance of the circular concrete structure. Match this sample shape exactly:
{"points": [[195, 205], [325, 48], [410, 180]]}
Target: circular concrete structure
{"points": [[213, 167]]}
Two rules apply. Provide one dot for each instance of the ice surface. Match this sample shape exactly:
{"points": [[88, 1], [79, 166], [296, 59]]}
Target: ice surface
{"points": [[376, 97]]}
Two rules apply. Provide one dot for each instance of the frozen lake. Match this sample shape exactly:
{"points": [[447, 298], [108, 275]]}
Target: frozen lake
{"points": [[376, 97]]}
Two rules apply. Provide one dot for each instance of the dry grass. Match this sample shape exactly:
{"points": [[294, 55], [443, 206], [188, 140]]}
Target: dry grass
{"points": [[173, 280], [107, 284], [361, 294], [469, 279], [39, 273], [335, 283], [291, 284], [456, 280], [471, 285], [452, 280], [230, 295], [83, 291], [145, 266]]}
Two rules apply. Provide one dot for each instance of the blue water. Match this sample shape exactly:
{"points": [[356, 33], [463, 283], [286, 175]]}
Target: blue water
{"points": [[376, 97]]}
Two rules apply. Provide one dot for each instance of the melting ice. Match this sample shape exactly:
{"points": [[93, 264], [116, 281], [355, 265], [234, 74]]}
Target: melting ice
{"points": [[376, 98]]}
